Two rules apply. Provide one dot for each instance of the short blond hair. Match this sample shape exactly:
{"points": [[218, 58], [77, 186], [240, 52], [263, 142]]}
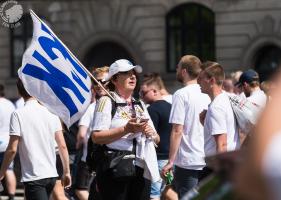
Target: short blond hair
{"points": [[153, 79], [192, 64], [100, 70], [215, 70], [209, 63]]}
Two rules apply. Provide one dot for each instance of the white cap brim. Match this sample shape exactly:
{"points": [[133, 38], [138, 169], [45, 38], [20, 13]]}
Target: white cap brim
{"points": [[137, 68]]}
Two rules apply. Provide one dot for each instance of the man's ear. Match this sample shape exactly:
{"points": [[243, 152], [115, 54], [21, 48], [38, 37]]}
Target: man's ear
{"points": [[183, 71], [245, 84], [213, 80]]}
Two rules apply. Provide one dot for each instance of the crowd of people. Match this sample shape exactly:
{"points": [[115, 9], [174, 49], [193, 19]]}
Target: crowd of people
{"points": [[129, 143]]}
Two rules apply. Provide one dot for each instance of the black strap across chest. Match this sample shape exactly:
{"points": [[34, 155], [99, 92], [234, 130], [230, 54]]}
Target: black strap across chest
{"points": [[115, 105]]}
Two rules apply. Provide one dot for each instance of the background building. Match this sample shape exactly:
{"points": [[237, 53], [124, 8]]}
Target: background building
{"points": [[239, 34]]}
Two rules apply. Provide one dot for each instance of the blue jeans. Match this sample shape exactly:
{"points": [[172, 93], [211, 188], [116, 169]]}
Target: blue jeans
{"points": [[158, 187], [185, 179]]}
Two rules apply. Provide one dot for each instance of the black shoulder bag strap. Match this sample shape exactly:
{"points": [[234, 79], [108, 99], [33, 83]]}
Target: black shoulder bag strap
{"points": [[134, 140], [115, 105]]}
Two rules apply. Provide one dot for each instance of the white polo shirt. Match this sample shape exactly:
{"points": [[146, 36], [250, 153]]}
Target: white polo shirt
{"points": [[188, 103], [86, 121], [6, 110], [36, 127], [220, 119]]}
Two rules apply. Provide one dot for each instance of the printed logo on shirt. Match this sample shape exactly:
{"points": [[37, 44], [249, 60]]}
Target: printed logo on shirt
{"points": [[126, 112], [139, 110], [123, 113]]}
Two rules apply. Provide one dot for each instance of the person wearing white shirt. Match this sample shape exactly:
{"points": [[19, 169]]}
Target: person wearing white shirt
{"points": [[6, 110], [130, 129], [84, 177], [34, 132], [259, 176], [250, 84], [220, 128], [187, 136], [19, 103]]}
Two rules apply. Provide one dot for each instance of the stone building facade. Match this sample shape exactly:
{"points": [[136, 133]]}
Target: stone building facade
{"points": [[246, 34]]}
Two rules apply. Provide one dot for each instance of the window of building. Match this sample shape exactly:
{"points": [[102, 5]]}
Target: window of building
{"points": [[190, 30], [20, 38], [105, 53], [267, 61]]}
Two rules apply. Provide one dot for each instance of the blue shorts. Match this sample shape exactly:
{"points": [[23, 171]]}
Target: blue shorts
{"points": [[11, 166], [158, 187], [184, 180]]}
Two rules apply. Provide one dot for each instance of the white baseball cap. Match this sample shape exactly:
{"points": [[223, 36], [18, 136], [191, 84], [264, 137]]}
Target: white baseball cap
{"points": [[121, 65]]}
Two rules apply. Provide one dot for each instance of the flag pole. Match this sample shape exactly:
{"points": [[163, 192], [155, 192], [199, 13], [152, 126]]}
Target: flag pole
{"points": [[81, 65]]}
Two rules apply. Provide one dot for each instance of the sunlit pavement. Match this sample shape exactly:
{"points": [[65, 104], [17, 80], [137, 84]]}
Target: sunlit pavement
{"points": [[19, 195]]}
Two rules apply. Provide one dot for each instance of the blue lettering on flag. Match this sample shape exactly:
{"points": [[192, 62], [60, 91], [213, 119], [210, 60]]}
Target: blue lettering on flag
{"points": [[47, 44], [57, 81]]}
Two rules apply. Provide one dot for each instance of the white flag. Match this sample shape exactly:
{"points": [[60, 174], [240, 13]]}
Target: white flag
{"points": [[52, 74]]}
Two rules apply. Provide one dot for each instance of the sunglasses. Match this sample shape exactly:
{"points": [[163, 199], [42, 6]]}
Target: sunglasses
{"points": [[101, 82]]}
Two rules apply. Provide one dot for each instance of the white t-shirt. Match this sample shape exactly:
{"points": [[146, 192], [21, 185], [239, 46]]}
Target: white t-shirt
{"points": [[220, 119], [258, 97], [104, 121], [36, 127], [19, 103], [6, 110], [86, 121], [188, 103], [168, 98]]}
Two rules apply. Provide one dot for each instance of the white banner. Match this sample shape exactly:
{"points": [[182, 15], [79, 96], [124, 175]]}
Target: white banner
{"points": [[53, 75]]}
